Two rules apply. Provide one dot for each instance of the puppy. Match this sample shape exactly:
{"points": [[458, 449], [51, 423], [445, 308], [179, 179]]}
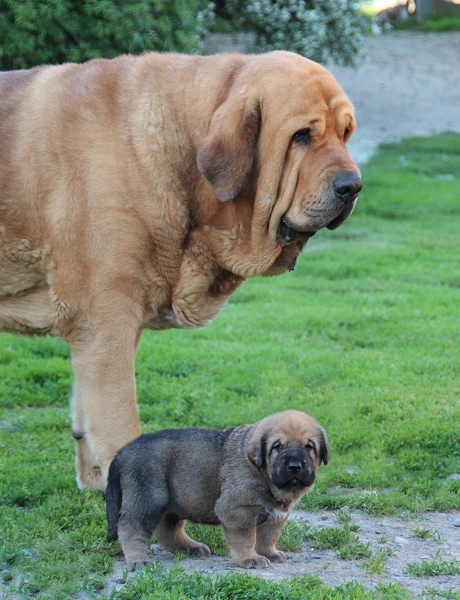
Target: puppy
{"points": [[246, 479]]}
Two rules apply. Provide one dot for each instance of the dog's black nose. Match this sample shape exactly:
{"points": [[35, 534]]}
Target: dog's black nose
{"points": [[347, 186], [294, 466]]}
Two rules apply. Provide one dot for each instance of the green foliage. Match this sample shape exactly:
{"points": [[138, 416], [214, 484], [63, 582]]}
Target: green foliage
{"points": [[322, 30], [57, 31], [363, 335]]}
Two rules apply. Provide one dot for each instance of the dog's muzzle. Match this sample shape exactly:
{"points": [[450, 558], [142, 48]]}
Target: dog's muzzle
{"points": [[346, 189], [291, 469]]}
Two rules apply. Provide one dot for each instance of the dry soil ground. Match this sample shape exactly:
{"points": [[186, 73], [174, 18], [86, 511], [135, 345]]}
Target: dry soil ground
{"points": [[408, 85], [395, 536]]}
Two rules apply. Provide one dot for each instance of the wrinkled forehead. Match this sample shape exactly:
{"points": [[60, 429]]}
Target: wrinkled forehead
{"points": [[308, 93], [324, 99]]}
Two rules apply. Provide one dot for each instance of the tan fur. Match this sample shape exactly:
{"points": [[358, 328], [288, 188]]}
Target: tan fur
{"points": [[140, 192], [247, 479]]}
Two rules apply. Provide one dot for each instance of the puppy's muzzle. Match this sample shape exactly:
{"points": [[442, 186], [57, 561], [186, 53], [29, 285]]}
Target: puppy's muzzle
{"points": [[292, 468]]}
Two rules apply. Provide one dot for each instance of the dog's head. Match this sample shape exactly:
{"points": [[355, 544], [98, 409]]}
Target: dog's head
{"points": [[278, 140], [289, 447]]}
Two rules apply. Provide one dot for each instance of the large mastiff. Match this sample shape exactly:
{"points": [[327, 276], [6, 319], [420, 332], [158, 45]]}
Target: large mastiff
{"points": [[140, 192]]}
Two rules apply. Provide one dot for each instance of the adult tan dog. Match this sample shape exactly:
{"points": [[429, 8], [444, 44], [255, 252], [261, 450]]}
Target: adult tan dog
{"points": [[140, 192], [247, 479]]}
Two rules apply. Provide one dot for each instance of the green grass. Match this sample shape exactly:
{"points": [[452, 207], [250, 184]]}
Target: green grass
{"points": [[153, 584], [434, 567], [432, 25], [375, 564], [363, 335], [343, 539], [424, 533]]}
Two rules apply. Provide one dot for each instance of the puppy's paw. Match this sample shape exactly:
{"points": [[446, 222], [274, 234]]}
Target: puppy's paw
{"points": [[254, 562], [139, 564], [275, 556], [198, 550]]}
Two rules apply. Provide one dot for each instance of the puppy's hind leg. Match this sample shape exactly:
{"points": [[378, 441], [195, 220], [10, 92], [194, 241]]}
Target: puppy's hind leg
{"points": [[171, 535], [139, 517]]}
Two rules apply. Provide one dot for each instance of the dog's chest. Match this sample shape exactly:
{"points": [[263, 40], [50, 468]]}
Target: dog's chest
{"points": [[272, 514], [195, 299]]}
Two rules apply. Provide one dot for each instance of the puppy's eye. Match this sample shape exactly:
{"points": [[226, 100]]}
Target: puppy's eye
{"points": [[309, 447], [302, 137], [277, 446]]}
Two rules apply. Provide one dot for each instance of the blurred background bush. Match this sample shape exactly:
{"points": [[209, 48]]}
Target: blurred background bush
{"points": [[57, 31]]}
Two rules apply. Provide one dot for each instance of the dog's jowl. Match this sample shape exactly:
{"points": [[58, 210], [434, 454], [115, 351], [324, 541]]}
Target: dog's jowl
{"points": [[247, 479]]}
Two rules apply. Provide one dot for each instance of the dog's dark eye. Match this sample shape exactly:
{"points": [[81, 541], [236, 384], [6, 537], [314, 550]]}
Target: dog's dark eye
{"points": [[277, 446], [302, 137], [310, 446]]}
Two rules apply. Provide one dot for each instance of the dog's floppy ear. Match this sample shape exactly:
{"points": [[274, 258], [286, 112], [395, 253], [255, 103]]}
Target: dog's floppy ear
{"points": [[227, 153], [324, 451], [256, 448]]}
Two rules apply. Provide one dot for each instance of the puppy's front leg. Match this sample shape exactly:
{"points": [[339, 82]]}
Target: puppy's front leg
{"points": [[241, 540], [104, 402], [268, 534]]}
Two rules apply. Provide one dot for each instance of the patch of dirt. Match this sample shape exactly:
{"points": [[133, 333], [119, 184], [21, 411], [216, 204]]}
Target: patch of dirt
{"points": [[396, 536]]}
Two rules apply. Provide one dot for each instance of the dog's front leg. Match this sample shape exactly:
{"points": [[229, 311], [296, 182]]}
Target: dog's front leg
{"points": [[241, 540], [105, 415], [268, 534]]}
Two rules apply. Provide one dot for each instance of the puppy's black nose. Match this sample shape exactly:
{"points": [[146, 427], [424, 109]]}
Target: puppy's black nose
{"points": [[347, 186], [294, 466]]}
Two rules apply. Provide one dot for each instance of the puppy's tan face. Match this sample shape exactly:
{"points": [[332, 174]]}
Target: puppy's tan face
{"points": [[290, 447]]}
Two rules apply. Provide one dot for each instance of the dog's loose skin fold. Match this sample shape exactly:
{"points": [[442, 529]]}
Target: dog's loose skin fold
{"points": [[140, 192]]}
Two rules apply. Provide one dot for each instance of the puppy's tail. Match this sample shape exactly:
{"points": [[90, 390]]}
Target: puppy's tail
{"points": [[113, 500]]}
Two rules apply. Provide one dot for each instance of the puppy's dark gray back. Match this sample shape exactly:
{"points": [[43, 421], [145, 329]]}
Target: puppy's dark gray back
{"points": [[179, 451]]}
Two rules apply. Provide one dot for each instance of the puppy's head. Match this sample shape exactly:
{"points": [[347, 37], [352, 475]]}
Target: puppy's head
{"points": [[289, 447]]}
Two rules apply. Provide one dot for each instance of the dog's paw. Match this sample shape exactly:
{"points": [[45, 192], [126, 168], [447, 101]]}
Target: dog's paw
{"points": [[274, 555], [134, 565], [254, 562], [198, 550]]}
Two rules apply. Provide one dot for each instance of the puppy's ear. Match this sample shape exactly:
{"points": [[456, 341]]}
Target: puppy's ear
{"points": [[227, 153], [256, 449], [324, 451]]}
